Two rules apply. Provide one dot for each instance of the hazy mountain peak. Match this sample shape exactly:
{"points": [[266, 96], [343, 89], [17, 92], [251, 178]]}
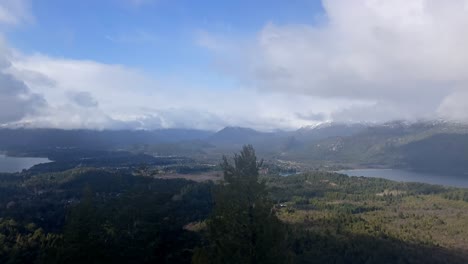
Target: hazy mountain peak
{"points": [[236, 129], [329, 124]]}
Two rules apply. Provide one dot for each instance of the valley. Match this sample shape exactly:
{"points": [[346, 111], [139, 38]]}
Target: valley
{"points": [[148, 198]]}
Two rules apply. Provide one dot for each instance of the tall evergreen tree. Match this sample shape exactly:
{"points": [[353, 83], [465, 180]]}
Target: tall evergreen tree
{"points": [[82, 233], [243, 227]]}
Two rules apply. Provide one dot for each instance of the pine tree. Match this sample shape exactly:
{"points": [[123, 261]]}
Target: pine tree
{"points": [[81, 234], [243, 227]]}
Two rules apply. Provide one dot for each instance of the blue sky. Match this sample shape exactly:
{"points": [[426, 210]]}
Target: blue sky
{"points": [[157, 35], [149, 64]]}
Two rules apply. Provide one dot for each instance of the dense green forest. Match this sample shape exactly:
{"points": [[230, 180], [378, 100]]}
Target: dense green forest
{"points": [[104, 215]]}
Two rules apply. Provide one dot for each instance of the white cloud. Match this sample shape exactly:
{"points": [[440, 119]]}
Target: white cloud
{"points": [[402, 58], [454, 106], [369, 60], [88, 94], [13, 12]]}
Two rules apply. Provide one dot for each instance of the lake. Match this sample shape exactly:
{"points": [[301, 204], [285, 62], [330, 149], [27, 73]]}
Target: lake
{"points": [[410, 176], [17, 164]]}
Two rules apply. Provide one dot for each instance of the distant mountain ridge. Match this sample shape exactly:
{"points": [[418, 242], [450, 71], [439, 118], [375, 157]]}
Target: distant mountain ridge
{"points": [[92, 139], [235, 137], [392, 144]]}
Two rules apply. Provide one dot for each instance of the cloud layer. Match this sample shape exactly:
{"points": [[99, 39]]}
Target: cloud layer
{"points": [[401, 58], [363, 60], [87, 94], [14, 12]]}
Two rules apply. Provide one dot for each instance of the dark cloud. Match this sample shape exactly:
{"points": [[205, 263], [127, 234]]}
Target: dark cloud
{"points": [[83, 99], [16, 100]]}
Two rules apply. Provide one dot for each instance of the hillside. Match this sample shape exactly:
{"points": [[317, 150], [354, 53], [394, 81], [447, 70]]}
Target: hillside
{"points": [[123, 217]]}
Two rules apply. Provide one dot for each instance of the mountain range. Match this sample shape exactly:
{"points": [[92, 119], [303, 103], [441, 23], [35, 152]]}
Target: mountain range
{"points": [[432, 146]]}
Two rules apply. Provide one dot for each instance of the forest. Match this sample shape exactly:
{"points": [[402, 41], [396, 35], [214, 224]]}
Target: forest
{"points": [[104, 215]]}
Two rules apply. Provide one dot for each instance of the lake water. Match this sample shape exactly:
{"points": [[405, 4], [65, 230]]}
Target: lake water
{"points": [[285, 174], [17, 164], [410, 176]]}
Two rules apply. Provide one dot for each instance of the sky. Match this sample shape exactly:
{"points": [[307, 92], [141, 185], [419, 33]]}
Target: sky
{"points": [[265, 64]]}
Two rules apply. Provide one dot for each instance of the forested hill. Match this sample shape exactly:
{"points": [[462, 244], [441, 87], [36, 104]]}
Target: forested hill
{"points": [[27, 139], [109, 215]]}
